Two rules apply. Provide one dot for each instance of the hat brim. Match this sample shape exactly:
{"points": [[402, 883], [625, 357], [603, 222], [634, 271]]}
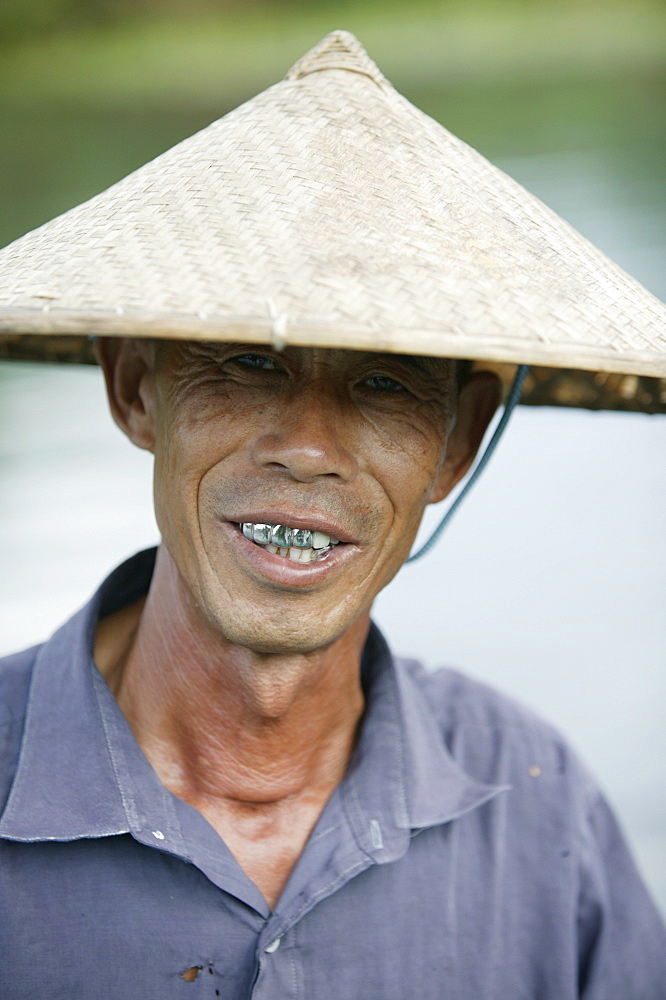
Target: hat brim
{"points": [[544, 386]]}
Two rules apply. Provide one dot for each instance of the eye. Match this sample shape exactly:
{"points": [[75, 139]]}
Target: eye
{"points": [[255, 362], [384, 383]]}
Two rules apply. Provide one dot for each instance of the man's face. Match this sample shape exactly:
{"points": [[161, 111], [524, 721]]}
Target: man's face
{"points": [[345, 443]]}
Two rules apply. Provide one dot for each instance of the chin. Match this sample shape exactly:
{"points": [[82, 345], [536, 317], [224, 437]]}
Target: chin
{"points": [[298, 635], [293, 642]]}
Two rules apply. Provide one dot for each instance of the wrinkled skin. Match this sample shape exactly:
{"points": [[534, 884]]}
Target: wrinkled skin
{"points": [[240, 674], [357, 439]]}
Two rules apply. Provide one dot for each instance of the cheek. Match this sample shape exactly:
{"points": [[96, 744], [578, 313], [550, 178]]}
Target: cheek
{"points": [[409, 451], [188, 448]]}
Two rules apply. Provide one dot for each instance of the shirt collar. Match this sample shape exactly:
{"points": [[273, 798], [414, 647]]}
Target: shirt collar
{"points": [[66, 785], [81, 773], [402, 778]]}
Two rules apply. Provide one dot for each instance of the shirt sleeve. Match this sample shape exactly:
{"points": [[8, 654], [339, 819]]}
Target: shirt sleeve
{"points": [[621, 935]]}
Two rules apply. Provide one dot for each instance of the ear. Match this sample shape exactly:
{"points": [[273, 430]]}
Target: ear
{"points": [[479, 398], [129, 372]]}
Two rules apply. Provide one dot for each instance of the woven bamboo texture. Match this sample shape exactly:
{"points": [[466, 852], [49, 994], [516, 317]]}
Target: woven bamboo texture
{"points": [[329, 211]]}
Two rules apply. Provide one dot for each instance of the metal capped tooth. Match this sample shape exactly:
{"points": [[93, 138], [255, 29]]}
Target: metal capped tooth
{"points": [[281, 535], [247, 530], [301, 538], [262, 533]]}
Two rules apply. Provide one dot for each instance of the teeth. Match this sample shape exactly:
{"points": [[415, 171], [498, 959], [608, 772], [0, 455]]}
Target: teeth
{"points": [[296, 544], [301, 538], [281, 535], [259, 533]]}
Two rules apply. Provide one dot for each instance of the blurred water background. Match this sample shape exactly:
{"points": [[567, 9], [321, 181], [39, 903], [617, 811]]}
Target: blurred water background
{"points": [[550, 583]]}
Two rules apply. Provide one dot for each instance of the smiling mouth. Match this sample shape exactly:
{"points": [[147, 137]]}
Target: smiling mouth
{"points": [[297, 544]]}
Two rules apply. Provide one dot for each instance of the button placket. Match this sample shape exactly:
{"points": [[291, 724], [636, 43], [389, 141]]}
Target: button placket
{"points": [[279, 970]]}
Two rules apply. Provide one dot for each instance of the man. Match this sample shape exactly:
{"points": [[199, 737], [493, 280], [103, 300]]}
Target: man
{"points": [[217, 773]]}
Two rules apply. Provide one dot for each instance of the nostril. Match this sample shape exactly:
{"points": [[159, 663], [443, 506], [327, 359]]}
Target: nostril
{"points": [[302, 460], [276, 467]]}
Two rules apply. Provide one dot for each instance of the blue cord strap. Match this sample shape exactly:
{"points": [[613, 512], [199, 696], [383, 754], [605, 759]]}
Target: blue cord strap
{"points": [[512, 399]]}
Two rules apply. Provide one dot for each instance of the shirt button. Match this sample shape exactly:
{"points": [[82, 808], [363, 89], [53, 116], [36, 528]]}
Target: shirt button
{"points": [[273, 946]]}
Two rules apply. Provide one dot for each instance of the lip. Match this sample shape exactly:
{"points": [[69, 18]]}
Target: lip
{"points": [[280, 569], [314, 522]]}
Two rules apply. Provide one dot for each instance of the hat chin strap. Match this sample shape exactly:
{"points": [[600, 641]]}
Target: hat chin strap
{"points": [[512, 399]]}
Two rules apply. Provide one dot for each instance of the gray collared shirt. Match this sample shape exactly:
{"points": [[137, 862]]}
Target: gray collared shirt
{"points": [[467, 855]]}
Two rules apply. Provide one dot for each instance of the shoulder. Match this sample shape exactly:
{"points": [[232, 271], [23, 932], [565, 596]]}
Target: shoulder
{"points": [[458, 699], [563, 855], [497, 740]]}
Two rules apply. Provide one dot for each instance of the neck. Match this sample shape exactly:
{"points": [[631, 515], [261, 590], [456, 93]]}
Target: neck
{"points": [[222, 723]]}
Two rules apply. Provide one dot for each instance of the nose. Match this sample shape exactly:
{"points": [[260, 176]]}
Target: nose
{"points": [[305, 437]]}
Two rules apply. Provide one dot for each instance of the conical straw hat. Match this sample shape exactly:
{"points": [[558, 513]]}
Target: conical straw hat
{"points": [[329, 211]]}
